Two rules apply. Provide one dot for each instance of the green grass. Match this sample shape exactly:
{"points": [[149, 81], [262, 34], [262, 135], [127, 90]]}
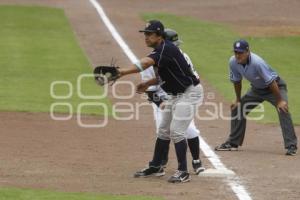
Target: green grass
{"points": [[210, 47], [26, 194], [37, 47]]}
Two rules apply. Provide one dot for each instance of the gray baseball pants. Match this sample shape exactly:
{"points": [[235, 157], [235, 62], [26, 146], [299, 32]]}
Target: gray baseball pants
{"points": [[178, 113], [249, 101]]}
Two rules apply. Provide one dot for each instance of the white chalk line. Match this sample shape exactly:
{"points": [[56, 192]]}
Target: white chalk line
{"points": [[233, 181]]}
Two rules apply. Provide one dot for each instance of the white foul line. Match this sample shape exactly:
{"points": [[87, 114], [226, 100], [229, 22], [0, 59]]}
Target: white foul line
{"points": [[234, 182], [114, 32]]}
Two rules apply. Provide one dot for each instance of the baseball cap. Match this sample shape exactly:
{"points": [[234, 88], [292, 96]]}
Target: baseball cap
{"points": [[154, 26], [240, 46]]}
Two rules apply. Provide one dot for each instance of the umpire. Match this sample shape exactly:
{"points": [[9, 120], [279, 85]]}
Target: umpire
{"points": [[185, 91], [266, 85]]}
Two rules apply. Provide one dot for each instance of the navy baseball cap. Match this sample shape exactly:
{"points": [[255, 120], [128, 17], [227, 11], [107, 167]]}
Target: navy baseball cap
{"points": [[154, 26], [240, 46]]}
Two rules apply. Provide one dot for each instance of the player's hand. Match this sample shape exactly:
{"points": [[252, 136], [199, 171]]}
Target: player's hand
{"points": [[162, 105], [121, 72], [142, 87], [235, 104], [282, 106]]}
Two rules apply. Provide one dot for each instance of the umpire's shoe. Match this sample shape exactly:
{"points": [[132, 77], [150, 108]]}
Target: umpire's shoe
{"points": [[197, 166], [180, 177], [150, 171], [291, 151], [227, 147]]}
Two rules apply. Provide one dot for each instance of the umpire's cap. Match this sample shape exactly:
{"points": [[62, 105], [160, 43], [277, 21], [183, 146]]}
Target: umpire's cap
{"points": [[240, 46], [154, 26], [172, 36]]}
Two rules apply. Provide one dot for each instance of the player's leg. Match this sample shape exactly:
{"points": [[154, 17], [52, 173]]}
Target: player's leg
{"points": [[157, 112], [184, 110], [192, 134], [161, 144], [286, 123], [238, 121], [157, 115]]}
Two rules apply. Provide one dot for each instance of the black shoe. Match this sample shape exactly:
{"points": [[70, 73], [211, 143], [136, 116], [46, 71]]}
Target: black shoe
{"points": [[150, 171], [180, 177], [292, 150], [227, 147], [197, 166]]}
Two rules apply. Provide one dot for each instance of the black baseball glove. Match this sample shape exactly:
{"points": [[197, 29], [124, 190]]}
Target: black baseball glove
{"points": [[106, 74]]}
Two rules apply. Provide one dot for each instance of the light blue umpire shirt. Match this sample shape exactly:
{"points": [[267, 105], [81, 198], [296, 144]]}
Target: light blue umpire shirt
{"points": [[257, 71]]}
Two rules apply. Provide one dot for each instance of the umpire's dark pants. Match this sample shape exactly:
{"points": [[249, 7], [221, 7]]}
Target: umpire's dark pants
{"points": [[248, 102]]}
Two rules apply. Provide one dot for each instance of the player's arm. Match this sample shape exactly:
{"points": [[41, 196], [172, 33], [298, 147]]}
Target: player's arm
{"points": [[236, 79], [238, 90], [142, 87], [281, 104], [139, 66], [270, 80]]}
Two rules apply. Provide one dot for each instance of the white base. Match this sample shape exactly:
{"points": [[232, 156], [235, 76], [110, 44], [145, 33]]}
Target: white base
{"points": [[217, 173]]}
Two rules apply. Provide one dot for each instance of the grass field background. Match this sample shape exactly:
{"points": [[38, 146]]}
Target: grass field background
{"points": [[210, 47], [26, 194], [37, 47]]}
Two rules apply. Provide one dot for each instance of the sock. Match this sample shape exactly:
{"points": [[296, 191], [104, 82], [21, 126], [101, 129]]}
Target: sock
{"points": [[194, 147], [181, 148], [159, 149], [165, 155]]}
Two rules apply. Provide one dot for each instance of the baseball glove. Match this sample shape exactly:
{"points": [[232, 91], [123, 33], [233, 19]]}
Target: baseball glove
{"points": [[106, 74]]}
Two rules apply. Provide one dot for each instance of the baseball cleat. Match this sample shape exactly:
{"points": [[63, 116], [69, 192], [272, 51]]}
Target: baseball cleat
{"points": [[292, 150], [227, 147], [150, 171], [180, 177], [197, 166]]}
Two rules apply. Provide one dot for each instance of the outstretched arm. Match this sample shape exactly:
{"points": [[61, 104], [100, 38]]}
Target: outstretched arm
{"points": [[139, 66]]}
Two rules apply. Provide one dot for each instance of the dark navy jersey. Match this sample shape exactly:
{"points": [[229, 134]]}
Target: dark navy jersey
{"points": [[174, 71]]}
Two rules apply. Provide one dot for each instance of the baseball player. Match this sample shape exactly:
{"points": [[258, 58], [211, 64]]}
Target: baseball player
{"points": [[266, 85], [156, 95], [184, 94]]}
